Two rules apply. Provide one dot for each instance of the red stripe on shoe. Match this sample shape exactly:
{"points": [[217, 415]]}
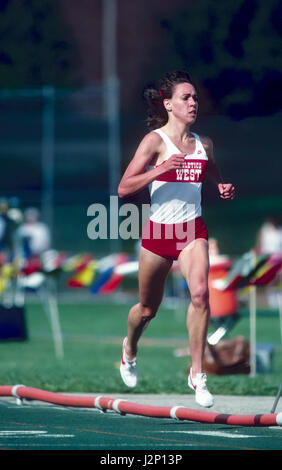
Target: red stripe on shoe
{"points": [[123, 348], [191, 381]]}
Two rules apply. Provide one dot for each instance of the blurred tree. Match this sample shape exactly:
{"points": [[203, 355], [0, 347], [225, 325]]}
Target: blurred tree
{"points": [[36, 47], [233, 49]]}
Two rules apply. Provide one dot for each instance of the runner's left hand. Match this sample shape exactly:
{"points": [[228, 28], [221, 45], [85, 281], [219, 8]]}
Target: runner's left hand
{"points": [[226, 190]]}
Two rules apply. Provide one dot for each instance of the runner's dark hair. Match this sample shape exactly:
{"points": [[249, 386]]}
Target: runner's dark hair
{"points": [[155, 93]]}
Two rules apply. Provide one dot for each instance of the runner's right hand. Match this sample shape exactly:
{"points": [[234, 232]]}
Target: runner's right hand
{"points": [[174, 162]]}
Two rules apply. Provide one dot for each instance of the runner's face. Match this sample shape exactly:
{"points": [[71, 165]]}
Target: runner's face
{"points": [[183, 103]]}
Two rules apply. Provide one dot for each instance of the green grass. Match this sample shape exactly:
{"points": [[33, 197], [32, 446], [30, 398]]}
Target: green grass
{"points": [[92, 348]]}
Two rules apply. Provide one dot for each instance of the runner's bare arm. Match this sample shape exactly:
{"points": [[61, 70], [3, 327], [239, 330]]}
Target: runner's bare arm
{"points": [[213, 173], [226, 190], [136, 177]]}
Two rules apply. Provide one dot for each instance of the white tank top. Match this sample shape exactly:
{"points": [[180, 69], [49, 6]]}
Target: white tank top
{"points": [[176, 195]]}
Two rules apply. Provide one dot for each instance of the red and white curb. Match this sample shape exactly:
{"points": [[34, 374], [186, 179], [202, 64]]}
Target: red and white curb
{"points": [[123, 407]]}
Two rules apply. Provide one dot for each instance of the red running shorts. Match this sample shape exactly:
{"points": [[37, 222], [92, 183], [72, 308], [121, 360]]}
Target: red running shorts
{"points": [[168, 240]]}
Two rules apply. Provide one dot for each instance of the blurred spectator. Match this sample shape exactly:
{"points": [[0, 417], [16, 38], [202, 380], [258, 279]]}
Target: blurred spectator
{"points": [[33, 236], [213, 248], [269, 241], [8, 226], [14, 211], [270, 237]]}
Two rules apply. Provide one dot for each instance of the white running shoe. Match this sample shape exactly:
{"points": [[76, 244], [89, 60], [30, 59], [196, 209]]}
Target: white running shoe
{"points": [[128, 369], [202, 396]]}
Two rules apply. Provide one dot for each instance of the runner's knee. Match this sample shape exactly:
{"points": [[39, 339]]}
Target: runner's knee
{"points": [[148, 312], [200, 296]]}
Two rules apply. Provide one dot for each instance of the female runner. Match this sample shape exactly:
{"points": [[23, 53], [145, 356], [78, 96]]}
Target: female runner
{"points": [[172, 161]]}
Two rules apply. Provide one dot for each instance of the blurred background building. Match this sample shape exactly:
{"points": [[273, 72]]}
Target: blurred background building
{"points": [[71, 109]]}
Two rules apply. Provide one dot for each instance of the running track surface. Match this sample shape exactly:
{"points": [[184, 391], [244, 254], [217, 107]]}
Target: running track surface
{"points": [[40, 426]]}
